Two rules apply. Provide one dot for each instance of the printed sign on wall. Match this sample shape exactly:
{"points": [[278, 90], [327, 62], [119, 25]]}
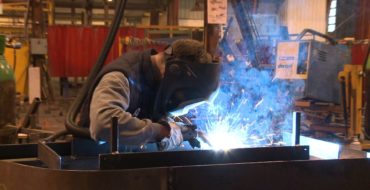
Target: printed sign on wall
{"points": [[287, 61], [217, 11]]}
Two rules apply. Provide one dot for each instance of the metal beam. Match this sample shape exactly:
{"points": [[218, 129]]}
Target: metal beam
{"points": [[284, 175], [15, 151], [48, 156], [15, 1], [7, 7], [101, 5], [201, 157]]}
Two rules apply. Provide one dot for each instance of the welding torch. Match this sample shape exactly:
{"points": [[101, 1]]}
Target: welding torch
{"points": [[190, 132]]}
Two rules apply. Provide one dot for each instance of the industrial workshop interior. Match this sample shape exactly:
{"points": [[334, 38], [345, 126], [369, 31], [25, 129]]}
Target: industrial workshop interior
{"points": [[184, 94]]}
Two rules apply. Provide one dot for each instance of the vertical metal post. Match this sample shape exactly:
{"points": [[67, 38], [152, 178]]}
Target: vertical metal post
{"points": [[296, 127], [173, 13], [51, 12], [106, 13], [14, 60], [212, 34], [38, 28], [154, 17], [344, 104], [114, 135], [73, 12], [88, 13]]}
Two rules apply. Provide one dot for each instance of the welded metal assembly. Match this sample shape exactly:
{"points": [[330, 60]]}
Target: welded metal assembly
{"points": [[255, 168]]}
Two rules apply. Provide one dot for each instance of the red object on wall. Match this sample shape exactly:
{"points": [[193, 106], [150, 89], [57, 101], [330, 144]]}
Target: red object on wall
{"points": [[73, 50], [359, 53]]}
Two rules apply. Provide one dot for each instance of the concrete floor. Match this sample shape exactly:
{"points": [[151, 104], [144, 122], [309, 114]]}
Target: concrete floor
{"points": [[51, 113]]}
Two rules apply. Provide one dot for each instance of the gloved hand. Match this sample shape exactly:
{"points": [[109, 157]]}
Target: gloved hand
{"points": [[190, 134], [188, 131], [182, 126], [175, 139]]}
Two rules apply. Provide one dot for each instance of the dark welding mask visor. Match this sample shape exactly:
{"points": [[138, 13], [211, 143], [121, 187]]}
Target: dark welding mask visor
{"points": [[186, 83]]}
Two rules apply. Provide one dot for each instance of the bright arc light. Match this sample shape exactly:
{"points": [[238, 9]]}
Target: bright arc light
{"points": [[223, 140]]}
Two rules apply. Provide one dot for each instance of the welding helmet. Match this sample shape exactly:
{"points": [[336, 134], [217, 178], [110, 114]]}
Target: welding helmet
{"points": [[190, 77]]}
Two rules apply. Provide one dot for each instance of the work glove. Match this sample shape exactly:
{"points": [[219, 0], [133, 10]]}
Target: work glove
{"points": [[174, 140], [190, 134], [189, 130]]}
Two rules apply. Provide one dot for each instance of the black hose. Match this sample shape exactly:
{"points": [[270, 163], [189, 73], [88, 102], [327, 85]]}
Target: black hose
{"points": [[56, 135], [70, 122], [314, 32]]}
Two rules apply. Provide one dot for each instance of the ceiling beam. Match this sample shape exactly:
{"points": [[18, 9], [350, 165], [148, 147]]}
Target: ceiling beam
{"points": [[100, 4], [15, 1], [7, 7]]}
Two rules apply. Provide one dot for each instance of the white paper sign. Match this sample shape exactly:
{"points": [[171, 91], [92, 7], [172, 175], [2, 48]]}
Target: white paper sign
{"points": [[217, 11]]}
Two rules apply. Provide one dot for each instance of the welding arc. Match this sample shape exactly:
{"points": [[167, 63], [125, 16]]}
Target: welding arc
{"points": [[204, 138]]}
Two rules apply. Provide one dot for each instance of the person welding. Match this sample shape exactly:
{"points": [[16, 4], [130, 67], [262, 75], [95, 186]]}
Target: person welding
{"points": [[142, 87]]}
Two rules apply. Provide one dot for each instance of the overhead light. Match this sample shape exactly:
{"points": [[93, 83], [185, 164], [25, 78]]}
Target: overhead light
{"points": [[110, 0]]}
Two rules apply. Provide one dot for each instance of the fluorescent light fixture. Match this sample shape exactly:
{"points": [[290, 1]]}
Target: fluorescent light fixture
{"points": [[331, 20], [333, 4], [331, 27], [368, 155]]}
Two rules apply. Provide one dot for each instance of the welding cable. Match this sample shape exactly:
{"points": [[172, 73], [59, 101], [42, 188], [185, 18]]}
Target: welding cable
{"points": [[70, 122], [56, 135], [331, 40]]}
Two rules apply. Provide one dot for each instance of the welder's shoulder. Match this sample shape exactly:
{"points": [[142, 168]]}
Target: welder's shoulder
{"points": [[114, 78]]}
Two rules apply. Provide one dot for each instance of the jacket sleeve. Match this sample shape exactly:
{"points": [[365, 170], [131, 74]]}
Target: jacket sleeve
{"points": [[111, 98]]}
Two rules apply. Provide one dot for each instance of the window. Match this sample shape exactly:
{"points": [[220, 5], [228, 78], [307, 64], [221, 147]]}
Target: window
{"points": [[332, 15]]}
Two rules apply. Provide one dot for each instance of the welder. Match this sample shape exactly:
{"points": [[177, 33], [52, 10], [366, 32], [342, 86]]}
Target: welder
{"points": [[142, 87]]}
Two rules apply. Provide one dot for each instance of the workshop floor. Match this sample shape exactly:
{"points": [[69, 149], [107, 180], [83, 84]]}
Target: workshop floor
{"points": [[51, 113]]}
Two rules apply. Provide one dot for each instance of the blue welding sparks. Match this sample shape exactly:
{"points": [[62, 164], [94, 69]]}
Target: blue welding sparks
{"points": [[250, 109]]}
